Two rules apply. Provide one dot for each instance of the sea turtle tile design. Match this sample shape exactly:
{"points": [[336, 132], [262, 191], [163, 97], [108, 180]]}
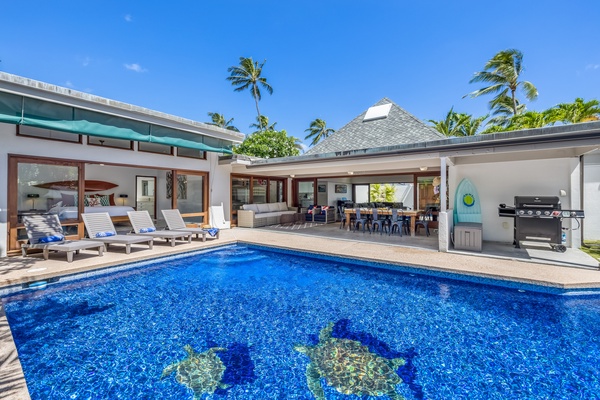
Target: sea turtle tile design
{"points": [[201, 372], [349, 367]]}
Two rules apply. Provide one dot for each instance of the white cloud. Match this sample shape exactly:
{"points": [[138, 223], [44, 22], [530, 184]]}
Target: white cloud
{"points": [[592, 66], [86, 61], [135, 67], [69, 84], [128, 18]]}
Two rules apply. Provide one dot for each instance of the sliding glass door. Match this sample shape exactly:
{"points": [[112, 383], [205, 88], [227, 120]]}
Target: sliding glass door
{"points": [[189, 193], [37, 186]]}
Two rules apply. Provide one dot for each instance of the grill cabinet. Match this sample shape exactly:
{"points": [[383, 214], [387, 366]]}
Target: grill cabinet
{"points": [[538, 219], [532, 223]]}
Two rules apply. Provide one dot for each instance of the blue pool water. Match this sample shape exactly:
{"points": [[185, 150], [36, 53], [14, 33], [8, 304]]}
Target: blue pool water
{"points": [[110, 337]]}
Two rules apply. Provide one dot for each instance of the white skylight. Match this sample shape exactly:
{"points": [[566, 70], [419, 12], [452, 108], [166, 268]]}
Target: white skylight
{"points": [[377, 112]]}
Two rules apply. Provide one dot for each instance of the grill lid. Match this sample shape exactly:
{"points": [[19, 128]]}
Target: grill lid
{"points": [[537, 202]]}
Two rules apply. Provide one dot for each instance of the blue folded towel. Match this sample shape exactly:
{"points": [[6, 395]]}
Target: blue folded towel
{"points": [[212, 231], [146, 230], [50, 239], [105, 234]]}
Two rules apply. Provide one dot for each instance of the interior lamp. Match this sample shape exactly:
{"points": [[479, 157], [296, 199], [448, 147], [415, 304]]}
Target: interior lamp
{"points": [[123, 197], [423, 168]]}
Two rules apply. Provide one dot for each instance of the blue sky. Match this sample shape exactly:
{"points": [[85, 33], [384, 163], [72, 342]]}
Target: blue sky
{"points": [[324, 59]]}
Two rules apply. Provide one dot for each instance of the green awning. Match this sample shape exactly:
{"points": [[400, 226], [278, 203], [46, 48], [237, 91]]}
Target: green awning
{"points": [[21, 110], [10, 108]]}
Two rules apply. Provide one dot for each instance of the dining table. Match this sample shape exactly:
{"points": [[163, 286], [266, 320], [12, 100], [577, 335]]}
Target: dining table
{"points": [[413, 214]]}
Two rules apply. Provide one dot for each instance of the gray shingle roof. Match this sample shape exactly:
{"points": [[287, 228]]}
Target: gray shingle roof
{"points": [[399, 127]]}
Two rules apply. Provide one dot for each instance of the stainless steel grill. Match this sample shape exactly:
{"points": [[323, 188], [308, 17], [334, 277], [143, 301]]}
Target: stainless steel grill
{"points": [[538, 219]]}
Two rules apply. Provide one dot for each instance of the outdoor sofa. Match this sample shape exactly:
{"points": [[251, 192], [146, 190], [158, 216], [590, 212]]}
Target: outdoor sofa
{"points": [[256, 215]]}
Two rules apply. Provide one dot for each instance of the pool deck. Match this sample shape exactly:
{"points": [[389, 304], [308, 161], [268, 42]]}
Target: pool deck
{"points": [[571, 270]]}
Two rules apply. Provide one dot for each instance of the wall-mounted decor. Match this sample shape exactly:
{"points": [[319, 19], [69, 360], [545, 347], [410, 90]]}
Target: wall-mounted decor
{"points": [[341, 188], [322, 188], [90, 185]]}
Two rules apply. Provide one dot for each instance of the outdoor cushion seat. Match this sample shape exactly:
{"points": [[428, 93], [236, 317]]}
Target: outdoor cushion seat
{"points": [[257, 215], [100, 228], [45, 232], [142, 224], [217, 217]]}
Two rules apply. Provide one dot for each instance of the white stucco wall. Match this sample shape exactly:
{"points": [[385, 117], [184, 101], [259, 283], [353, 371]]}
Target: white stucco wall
{"points": [[499, 182], [591, 200], [124, 177]]}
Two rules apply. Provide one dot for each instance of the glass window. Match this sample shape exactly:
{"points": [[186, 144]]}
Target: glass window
{"points": [[259, 191], [155, 148], [190, 196], [275, 191], [240, 192], [107, 142], [306, 193], [398, 192], [428, 195], [47, 188], [43, 133], [191, 153], [361, 193]]}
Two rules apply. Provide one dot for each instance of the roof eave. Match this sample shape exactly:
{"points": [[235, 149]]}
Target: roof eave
{"points": [[562, 133]]}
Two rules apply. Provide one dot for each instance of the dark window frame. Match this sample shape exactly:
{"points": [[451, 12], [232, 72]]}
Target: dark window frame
{"points": [[171, 151], [111, 147], [194, 158], [78, 141]]}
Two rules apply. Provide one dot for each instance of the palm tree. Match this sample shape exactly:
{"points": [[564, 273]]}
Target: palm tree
{"points": [[470, 126], [532, 119], [247, 76], [220, 121], [263, 123], [578, 111], [450, 126], [525, 120], [503, 72], [318, 130], [503, 112]]}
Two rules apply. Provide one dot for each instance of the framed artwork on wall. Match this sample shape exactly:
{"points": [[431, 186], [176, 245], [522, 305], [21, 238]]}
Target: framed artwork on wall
{"points": [[341, 188], [322, 188]]}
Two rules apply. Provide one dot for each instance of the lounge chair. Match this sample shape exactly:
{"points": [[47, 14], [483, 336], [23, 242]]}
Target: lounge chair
{"points": [[217, 217], [142, 225], [45, 232], [175, 222], [99, 227]]}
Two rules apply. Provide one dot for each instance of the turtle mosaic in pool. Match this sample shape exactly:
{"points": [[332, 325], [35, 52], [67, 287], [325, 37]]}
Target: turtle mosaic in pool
{"points": [[244, 322]]}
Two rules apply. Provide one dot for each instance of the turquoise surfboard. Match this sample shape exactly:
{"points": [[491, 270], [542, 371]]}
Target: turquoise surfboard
{"points": [[467, 207]]}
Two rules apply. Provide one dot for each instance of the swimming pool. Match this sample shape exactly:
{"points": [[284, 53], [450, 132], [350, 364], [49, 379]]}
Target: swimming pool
{"points": [[112, 336]]}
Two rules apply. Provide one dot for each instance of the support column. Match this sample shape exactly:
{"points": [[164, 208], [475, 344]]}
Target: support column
{"points": [[443, 223]]}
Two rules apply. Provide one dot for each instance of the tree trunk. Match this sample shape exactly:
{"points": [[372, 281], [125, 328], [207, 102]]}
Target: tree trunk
{"points": [[514, 100], [257, 110]]}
